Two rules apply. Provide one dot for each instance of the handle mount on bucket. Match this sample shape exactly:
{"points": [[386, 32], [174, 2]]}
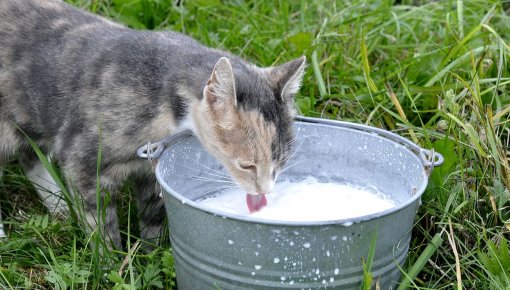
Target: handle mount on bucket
{"points": [[153, 150], [431, 158]]}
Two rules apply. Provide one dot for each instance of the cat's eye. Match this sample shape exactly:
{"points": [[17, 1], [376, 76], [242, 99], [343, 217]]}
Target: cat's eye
{"points": [[247, 166]]}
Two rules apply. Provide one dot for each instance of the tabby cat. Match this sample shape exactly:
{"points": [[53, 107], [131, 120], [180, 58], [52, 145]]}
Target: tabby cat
{"points": [[76, 83]]}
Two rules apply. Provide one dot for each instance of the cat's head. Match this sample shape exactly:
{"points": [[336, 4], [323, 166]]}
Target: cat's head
{"points": [[245, 120]]}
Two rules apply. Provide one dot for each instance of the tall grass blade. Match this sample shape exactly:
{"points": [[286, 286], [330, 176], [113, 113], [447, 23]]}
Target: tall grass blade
{"points": [[366, 65], [52, 170], [431, 248], [460, 17], [318, 75], [367, 265]]}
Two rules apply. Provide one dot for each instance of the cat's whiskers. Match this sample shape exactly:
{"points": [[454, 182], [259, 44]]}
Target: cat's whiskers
{"points": [[290, 156], [190, 177], [288, 167], [218, 176], [218, 172], [208, 190], [212, 169], [291, 142], [293, 151], [205, 178], [287, 158]]}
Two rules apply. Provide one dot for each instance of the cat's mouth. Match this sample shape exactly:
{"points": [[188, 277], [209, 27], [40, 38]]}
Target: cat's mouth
{"points": [[255, 202]]}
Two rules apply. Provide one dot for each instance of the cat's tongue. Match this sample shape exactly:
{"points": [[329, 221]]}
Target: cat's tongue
{"points": [[255, 202]]}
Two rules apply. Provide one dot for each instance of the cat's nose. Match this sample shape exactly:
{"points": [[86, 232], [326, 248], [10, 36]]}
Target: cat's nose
{"points": [[270, 187], [266, 188]]}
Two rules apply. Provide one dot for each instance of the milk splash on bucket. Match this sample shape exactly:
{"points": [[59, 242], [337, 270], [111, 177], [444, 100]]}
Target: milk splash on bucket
{"points": [[306, 200]]}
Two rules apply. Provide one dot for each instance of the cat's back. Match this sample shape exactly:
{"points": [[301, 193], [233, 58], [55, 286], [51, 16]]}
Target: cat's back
{"points": [[29, 15], [58, 62], [40, 27], [28, 25], [46, 35]]}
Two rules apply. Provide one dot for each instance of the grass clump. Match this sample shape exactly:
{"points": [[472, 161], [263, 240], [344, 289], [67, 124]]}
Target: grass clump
{"points": [[436, 72]]}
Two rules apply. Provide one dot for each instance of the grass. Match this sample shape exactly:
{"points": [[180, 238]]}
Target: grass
{"points": [[436, 72]]}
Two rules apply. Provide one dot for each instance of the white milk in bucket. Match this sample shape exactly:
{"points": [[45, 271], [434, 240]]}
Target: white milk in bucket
{"points": [[305, 200]]}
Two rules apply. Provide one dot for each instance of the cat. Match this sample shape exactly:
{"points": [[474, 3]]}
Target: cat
{"points": [[77, 83]]}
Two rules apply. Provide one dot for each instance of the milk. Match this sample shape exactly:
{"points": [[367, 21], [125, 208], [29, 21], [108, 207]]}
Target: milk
{"points": [[306, 200]]}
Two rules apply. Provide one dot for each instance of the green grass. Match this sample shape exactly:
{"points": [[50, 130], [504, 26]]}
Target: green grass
{"points": [[434, 72]]}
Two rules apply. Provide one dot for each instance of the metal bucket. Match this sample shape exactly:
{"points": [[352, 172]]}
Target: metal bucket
{"points": [[215, 250]]}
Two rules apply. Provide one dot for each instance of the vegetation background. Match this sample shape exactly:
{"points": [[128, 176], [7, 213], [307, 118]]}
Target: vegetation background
{"points": [[436, 72]]}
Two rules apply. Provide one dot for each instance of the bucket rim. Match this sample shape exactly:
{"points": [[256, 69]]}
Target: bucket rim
{"points": [[413, 149]]}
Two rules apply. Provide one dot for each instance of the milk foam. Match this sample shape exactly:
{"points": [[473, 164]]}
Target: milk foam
{"points": [[306, 200]]}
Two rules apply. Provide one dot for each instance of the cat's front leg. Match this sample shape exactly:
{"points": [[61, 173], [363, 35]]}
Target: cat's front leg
{"points": [[44, 184], [101, 217], [151, 210], [2, 233], [96, 207]]}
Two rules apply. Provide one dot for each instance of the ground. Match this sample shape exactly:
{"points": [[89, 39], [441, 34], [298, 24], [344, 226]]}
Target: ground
{"points": [[435, 72]]}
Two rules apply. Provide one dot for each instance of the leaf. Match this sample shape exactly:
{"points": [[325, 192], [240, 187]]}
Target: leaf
{"points": [[56, 279], [81, 276], [115, 277], [502, 196], [304, 105], [51, 277], [504, 255], [168, 260], [156, 284], [44, 222], [487, 263], [151, 275], [440, 174], [204, 3], [301, 41], [496, 260], [131, 21], [471, 132]]}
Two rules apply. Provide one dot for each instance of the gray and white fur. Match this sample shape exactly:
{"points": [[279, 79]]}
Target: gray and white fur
{"points": [[76, 83]]}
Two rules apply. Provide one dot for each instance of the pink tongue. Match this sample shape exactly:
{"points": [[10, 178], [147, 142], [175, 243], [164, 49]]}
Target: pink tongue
{"points": [[255, 202]]}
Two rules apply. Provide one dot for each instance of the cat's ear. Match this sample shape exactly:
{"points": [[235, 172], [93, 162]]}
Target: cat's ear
{"points": [[287, 78], [220, 92], [221, 88]]}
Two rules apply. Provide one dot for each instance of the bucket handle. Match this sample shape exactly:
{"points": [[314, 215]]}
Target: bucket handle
{"points": [[430, 158], [152, 151]]}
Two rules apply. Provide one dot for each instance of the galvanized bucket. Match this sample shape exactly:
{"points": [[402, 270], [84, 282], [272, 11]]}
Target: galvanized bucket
{"points": [[216, 250]]}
